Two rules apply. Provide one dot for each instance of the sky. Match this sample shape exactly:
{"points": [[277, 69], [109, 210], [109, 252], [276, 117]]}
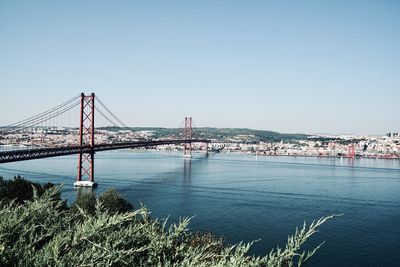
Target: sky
{"points": [[287, 66]]}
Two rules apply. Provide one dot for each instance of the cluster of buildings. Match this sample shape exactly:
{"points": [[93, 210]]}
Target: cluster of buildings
{"points": [[56, 137], [315, 146], [338, 146], [371, 147]]}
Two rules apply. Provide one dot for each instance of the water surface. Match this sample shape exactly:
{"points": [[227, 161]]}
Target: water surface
{"points": [[247, 198]]}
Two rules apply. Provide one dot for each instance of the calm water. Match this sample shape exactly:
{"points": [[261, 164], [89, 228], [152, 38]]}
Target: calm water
{"points": [[247, 198]]}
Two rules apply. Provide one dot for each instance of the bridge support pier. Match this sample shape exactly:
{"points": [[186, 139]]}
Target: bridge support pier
{"points": [[86, 137]]}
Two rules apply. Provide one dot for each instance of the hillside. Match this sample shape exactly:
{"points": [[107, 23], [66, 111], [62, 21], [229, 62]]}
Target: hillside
{"points": [[226, 134]]}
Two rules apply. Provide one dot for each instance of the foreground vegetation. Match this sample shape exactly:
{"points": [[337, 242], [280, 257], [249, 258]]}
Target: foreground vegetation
{"points": [[42, 230]]}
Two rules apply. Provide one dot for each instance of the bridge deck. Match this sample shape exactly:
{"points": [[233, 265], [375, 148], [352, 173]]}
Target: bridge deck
{"points": [[38, 153]]}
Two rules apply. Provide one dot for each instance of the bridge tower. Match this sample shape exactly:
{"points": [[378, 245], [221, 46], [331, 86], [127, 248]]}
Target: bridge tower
{"points": [[187, 135], [86, 139]]}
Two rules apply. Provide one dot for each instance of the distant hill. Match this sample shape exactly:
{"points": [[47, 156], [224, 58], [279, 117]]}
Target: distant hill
{"points": [[224, 134], [244, 134]]}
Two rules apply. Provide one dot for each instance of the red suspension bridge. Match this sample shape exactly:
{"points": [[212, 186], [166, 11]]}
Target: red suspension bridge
{"points": [[85, 145]]}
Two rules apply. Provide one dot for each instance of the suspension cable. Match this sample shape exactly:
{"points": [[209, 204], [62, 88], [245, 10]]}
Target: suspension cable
{"points": [[112, 114], [48, 115], [106, 117], [41, 115]]}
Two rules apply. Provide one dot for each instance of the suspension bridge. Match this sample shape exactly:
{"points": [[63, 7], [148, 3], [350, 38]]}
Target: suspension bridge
{"points": [[84, 143]]}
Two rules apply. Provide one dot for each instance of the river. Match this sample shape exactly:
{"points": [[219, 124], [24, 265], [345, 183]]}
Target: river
{"points": [[244, 197]]}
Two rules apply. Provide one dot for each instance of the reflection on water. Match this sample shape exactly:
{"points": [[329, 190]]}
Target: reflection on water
{"points": [[187, 171]]}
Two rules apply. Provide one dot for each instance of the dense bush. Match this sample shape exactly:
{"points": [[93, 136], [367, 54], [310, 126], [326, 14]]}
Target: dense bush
{"points": [[85, 201], [39, 233], [114, 202], [111, 201], [20, 189]]}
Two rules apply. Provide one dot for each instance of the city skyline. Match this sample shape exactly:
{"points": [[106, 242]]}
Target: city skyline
{"points": [[295, 67]]}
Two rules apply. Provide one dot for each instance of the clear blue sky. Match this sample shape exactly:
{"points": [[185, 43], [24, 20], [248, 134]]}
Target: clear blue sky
{"points": [[289, 66]]}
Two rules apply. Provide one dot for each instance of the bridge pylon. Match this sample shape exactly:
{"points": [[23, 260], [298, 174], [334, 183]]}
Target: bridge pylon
{"points": [[86, 138], [187, 135]]}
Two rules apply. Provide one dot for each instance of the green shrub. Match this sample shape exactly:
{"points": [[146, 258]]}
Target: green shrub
{"points": [[206, 239], [114, 202], [85, 201]]}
